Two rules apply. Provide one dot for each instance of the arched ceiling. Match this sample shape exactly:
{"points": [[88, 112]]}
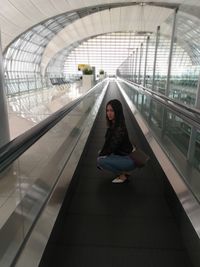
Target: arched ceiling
{"points": [[66, 23], [132, 18], [17, 16]]}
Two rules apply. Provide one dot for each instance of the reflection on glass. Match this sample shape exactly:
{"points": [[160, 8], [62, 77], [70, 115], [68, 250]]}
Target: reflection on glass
{"points": [[27, 109], [185, 75], [174, 134], [178, 131], [27, 183], [156, 116], [197, 151]]}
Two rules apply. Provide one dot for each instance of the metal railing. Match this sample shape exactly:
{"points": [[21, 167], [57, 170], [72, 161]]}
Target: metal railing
{"points": [[175, 126]]}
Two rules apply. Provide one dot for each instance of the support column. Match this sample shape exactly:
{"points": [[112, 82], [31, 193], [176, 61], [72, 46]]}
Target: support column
{"points": [[154, 71], [4, 128], [129, 69], [193, 134], [170, 54], [27, 81], [145, 69], [136, 55], [130, 64], [145, 63], [133, 64], [197, 101], [155, 56], [140, 60], [167, 88]]}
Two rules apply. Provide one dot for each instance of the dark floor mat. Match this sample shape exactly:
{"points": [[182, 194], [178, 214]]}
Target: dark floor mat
{"points": [[115, 225]]}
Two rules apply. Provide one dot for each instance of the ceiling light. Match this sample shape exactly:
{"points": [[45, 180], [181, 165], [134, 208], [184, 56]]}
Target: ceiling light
{"points": [[142, 4]]}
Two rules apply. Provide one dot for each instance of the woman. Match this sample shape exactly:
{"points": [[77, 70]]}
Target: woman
{"points": [[114, 155]]}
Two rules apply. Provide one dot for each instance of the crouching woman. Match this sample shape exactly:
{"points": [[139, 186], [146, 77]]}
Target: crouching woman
{"points": [[114, 156]]}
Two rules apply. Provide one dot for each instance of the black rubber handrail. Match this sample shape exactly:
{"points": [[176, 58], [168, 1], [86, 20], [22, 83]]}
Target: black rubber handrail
{"points": [[12, 150], [192, 110], [191, 115]]}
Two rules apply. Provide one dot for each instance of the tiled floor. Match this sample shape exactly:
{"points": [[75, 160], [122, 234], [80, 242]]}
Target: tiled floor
{"points": [[28, 109]]}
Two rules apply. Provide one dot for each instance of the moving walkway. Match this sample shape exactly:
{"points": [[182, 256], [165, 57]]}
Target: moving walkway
{"points": [[140, 223]]}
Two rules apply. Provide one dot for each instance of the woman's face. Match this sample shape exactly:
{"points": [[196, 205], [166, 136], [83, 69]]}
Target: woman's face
{"points": [[110, 113]]}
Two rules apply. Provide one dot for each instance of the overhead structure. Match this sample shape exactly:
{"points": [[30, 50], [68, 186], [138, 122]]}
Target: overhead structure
{"points": [[16, 17], [39, 39]]}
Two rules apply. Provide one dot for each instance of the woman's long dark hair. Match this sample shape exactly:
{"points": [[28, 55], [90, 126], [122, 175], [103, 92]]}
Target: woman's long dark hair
{"points": [[119, 114]]}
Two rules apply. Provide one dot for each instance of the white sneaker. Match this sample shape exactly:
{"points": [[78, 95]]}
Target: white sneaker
{"points": [[118, 181]]}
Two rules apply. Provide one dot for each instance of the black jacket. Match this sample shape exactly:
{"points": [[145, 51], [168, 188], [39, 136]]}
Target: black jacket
{"points": [[116, 142]]}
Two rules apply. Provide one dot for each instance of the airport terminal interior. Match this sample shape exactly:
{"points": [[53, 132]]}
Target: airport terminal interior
{"points": [[61, 61]]}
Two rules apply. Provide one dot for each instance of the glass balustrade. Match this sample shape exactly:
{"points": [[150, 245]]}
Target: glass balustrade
{"points": [[180, 139], [26, 185]]}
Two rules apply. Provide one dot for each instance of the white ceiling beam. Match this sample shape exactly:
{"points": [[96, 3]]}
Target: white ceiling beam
{"points": [[131, 20], [24, 14]]}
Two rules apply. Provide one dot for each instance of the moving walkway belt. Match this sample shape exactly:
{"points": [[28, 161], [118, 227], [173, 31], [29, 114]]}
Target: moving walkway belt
{"points": [[104, 224]]}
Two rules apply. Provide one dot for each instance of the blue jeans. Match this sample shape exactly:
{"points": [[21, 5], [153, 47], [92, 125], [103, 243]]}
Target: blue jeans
{"points": [[116, 163]]}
